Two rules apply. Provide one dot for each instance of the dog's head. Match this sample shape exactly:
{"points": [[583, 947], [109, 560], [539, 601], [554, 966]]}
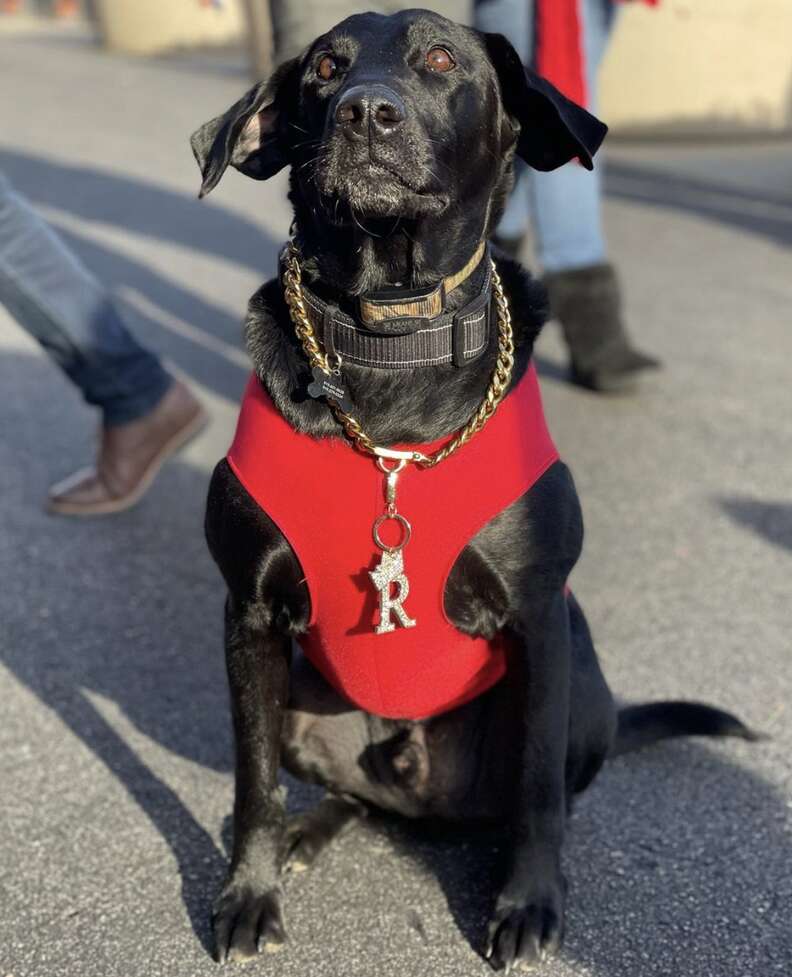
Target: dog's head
{"points": [[400, 116]]}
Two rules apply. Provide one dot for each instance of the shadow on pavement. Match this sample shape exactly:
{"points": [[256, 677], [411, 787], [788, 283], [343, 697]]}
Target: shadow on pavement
{"points": [[766, 214], [128, 608], [143, 208], [201, 865], [677, 862], [770, 520]]}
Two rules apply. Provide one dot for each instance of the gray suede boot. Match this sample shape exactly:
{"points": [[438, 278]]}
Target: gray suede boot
{"points": [[587, 303]]}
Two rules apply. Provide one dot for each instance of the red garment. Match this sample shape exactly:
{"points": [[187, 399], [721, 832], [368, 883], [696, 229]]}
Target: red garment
{"points": [[560, 52], [560, 56], [324, 496]]}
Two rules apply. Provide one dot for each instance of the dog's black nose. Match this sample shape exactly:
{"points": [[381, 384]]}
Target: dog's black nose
{"points": [[369, 109]]}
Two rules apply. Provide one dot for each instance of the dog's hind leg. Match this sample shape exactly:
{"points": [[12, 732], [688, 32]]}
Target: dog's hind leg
{"points": [[310, 832], [351, 753]]}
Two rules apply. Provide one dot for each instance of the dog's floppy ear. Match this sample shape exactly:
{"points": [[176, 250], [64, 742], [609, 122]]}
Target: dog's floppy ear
{"points": [[552, 129], [250, 135]]}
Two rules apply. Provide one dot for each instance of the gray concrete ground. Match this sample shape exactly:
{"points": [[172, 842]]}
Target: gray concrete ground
{"points": [[115, 747]]}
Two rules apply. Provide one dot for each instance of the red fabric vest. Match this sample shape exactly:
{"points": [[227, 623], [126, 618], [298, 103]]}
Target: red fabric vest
{"points": [[324, 497], [560, 52]]}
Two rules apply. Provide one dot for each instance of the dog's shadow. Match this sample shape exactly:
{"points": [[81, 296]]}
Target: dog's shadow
{"points": [[678, 862]]}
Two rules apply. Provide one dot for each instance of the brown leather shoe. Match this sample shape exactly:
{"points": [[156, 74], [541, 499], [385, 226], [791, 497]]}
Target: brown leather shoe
{"points": [[130, 455]]}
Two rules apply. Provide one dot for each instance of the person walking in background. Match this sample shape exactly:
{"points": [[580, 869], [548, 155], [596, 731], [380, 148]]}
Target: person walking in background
{"points": [[565, 40], [147, 414]]}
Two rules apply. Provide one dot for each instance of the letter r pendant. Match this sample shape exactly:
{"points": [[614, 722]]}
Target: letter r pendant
{"points": [[389, 573]]}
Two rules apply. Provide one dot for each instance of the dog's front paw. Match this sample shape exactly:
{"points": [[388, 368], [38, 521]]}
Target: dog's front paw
{"points": [[523, 932], [246, 920]]}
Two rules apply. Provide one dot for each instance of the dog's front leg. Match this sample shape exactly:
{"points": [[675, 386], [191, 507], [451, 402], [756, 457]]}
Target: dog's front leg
{"points": [[247, 914], [528, 921]]}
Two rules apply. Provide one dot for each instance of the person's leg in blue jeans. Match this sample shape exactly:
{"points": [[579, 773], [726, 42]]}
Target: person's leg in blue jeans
{"points": [[565, 207], [515, 20], [146, 414], [566, 204]]}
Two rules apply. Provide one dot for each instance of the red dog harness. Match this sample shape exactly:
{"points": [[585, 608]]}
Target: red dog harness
{"points": [[324, 497]]}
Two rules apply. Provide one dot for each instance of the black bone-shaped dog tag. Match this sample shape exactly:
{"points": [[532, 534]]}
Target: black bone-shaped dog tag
{"points": [[330, 386]]}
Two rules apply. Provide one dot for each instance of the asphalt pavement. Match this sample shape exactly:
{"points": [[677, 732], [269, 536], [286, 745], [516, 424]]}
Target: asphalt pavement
{"points": [[115, 748]]}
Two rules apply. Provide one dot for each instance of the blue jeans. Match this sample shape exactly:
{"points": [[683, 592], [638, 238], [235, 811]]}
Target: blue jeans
{"points": [[53, 297], [564, 206]]}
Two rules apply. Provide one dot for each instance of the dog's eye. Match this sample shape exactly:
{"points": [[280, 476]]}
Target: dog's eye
{"points": [[438, 59], [327, 68]]}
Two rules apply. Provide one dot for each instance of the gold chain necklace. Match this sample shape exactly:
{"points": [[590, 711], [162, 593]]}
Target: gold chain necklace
{"points": [[390, 571], [499, 382]]}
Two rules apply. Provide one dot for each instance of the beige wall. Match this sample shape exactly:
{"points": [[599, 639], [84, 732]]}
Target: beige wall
{"points": [[700, 65], [149, 26]]}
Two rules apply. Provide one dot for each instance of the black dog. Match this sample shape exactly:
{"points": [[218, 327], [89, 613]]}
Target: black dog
{"points": [[401, 134]]}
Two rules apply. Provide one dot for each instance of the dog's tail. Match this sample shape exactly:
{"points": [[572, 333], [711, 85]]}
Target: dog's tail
{"points": [[643, 725]]}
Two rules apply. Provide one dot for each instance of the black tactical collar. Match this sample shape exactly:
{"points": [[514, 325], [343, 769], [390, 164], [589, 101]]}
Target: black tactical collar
{"points": [[417, 330]]}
